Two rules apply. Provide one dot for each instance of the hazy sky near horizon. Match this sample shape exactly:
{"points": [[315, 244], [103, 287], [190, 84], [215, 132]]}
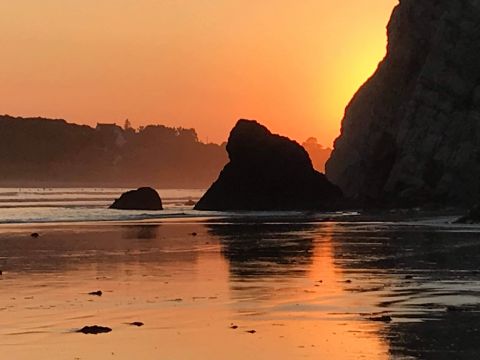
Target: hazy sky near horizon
{"points": [[291, 64]]}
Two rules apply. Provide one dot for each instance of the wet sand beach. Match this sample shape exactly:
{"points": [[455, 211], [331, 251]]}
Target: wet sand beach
{"points": [[223, 289]]}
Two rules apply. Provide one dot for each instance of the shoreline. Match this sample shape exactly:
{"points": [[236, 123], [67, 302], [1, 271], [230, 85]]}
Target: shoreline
{"points": [[286, 290], [426, 219]]}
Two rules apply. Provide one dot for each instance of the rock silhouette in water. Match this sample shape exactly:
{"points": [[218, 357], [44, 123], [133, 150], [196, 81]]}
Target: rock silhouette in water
{"points": [[144, 198], [411, 134], [267, 172]]}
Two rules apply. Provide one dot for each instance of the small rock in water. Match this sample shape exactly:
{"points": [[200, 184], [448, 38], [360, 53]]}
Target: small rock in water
{"points": [[144, 198], [251, 331], [94, 329], [383, 318], [96, 293], [35, 235], [136, 323]]}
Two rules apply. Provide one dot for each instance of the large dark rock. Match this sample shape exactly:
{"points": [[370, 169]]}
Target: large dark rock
{"points": [[411, 134], [144, 198], [267, 172]]}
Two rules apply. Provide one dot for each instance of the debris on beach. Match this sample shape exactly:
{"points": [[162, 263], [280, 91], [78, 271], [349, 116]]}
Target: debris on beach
{"points": [[96, 293], [94, 329], [233, 326], [136, 323], [251, 331], [35, 235]]}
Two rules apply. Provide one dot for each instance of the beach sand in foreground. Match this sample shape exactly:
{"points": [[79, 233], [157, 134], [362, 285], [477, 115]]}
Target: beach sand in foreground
{"points": [[215, 290]]}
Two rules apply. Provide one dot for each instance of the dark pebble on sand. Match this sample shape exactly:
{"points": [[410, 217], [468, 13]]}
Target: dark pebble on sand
{"points": [[136, 323], [193, 234], [35, 235], [94, 329], [348, 281], [233, 327], [96, 293], [384, 318], [251, 331]]}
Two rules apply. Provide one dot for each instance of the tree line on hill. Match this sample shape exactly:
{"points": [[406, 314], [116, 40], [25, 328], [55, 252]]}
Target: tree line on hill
{"points": [[46, 152]]}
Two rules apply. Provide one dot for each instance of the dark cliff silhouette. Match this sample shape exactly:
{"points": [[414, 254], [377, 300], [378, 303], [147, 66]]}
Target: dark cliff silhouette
{"points": [[267, 172], [411, 133], [45, 152]]}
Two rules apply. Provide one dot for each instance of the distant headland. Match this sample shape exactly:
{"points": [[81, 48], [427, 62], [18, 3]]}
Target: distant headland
{"points": [[39, 152]]}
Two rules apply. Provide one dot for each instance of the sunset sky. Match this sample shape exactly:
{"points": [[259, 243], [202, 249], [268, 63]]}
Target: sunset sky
{"points": [[291, 64]]}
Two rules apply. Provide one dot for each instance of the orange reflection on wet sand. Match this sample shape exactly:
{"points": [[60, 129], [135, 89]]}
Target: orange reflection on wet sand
{"points": [[187, 290]]}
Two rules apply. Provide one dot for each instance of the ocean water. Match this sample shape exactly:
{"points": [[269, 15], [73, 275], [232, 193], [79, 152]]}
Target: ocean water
{"points": [[73, 205], [50, 205]]}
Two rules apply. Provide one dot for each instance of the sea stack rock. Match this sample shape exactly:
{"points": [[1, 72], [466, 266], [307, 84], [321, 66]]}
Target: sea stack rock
{"points": [[267, 172], [411, 134], [144, 198]]}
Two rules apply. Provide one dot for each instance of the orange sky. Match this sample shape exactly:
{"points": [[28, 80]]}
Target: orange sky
{"points": [[291, 64]]}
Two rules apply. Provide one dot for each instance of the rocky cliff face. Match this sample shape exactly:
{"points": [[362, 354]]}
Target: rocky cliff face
{"points": [[412, 132], [268, 172]]}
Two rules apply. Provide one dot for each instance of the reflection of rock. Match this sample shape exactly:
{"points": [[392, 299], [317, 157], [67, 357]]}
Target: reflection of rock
{"points": [[411, 133], [265, 250], [454, 333], [143, 232], [446, 262], [144, 198], [267, 172]]}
